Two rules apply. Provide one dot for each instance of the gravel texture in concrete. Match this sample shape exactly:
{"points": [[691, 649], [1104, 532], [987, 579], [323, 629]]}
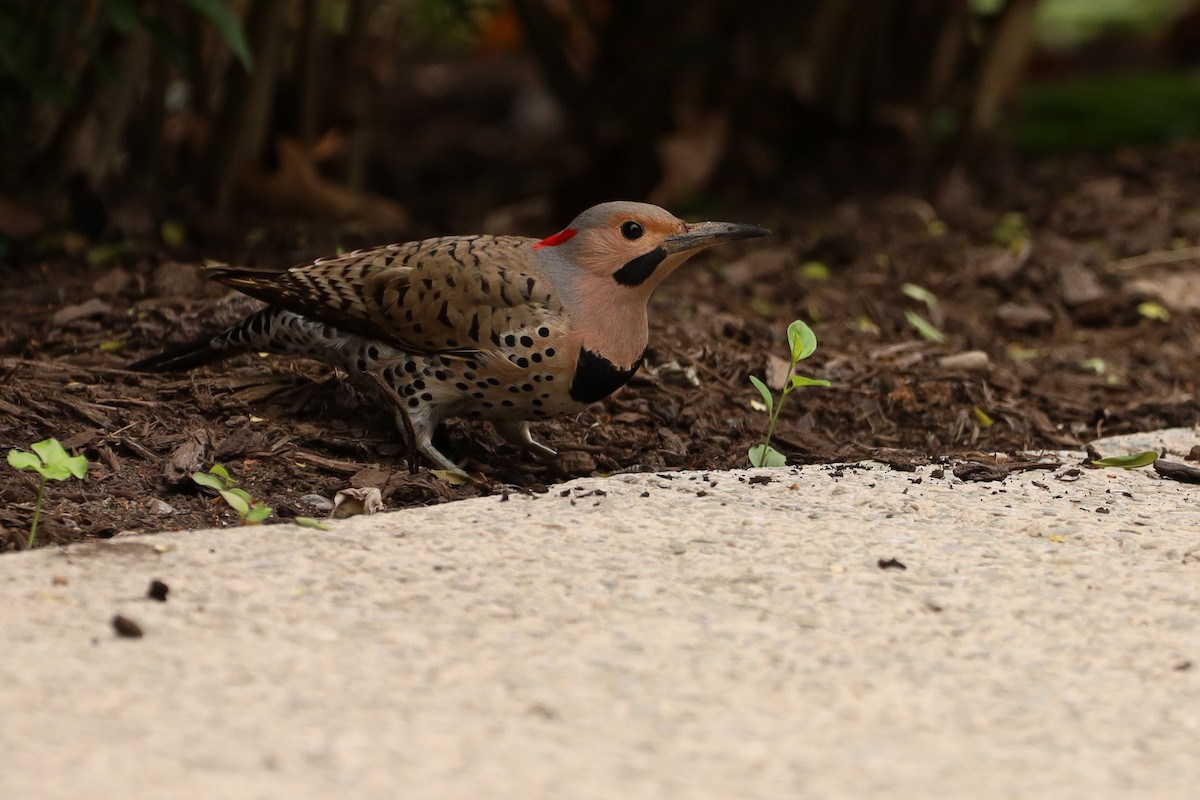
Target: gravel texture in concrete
{"points": [[831, 631]]}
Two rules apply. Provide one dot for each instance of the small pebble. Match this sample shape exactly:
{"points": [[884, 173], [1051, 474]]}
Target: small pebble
{"points": [[158, 591], [970, 361], [126, 627], [318, 502], [161, 507]]}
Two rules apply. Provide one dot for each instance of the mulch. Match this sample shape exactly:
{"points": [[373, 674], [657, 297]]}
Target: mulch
{"points": [[1029, 275]]}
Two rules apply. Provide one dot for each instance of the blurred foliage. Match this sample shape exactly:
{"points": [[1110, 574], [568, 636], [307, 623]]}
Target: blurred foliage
{"points": [[36, 58], [45, 47], [1065, 23], [672, 102], [128, 15], [1107, 111], [451, 26]]}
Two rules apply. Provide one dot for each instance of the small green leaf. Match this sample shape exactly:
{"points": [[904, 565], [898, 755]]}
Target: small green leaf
{"points": [[814, 271], [211, 481], [450, 476], [236, 501], [1010, 229], [173, 233], [920, 294], [923, 327], [55, 472], [50, 451], [765, 392], [59, 465], [762, 306], [225, 22], [865, 324], [803, 380], [801, 340], [258, 512], [26, 461], [763, 455], [1143, 459], [312, 522], [1152, 310], [103, 254], [222, 473], [1019, 352], [77, 466]]}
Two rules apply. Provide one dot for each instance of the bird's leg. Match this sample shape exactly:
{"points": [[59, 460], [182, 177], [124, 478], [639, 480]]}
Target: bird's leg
{"points": [[418, 428], [425, 445], [403, 421], [424, 421], [518, 433]]}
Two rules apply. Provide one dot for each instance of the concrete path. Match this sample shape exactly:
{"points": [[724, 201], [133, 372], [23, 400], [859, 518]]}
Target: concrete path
{"points": [[721, 635]]}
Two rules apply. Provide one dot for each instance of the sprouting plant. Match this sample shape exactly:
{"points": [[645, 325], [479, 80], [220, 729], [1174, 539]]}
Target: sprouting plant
{"points": [[802, 343], [52, 463], [249, 510], [1131, 461], [922, 295]]}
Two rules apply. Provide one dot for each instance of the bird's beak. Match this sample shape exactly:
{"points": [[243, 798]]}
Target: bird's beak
{"points": [[706, 234]]}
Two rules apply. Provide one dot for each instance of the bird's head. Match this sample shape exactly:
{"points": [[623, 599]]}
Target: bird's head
{"points": [[624, 248]]}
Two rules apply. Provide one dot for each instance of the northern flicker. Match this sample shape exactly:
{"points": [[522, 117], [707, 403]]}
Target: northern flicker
{"points": [[503, 328]]}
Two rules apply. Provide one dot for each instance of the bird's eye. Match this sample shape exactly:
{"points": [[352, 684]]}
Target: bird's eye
{"points": [[631, 230]]}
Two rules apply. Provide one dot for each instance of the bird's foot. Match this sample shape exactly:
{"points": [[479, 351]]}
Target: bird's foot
{"points": [[433, 454], [518, 433]]}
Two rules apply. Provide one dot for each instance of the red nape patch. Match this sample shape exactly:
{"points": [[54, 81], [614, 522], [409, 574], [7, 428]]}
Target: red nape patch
{"points": [[556, 239]]}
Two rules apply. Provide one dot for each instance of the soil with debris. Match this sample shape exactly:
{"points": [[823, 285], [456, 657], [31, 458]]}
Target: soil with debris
{"points": [[1068, 300]]}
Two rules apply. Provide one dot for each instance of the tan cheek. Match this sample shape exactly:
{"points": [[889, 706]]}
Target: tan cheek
{"points": [[605, 253]]}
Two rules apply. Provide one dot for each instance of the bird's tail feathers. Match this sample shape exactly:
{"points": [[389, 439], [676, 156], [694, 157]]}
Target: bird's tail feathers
{"points": [[183, 357]]}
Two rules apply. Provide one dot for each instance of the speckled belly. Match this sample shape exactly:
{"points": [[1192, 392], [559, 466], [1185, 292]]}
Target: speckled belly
{"points": [[485, 386]]}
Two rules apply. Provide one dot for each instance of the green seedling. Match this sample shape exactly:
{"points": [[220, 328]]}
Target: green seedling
{"points": [[249, 510], [982, 417], [1010, 230], [924, 326], [865, 324], [814, 271], [1019, 352], [1155, 311], [802, 343], [1132, 461], [922, 295], [52, 463]]}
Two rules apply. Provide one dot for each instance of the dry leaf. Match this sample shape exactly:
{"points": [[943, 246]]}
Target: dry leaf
{"points": [[352, 502]]}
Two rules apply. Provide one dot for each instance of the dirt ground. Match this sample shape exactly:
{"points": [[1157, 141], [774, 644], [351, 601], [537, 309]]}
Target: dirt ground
{"points": [[1043, 269]]}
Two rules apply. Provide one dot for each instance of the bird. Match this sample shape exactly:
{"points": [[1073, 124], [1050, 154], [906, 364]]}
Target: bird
{"points": [[507, 329]]}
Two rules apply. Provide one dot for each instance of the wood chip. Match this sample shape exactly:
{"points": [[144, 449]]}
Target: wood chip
{"points": [[191, 456], [1177, 472], [328, 464], [976, 471], [126, 627]]}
